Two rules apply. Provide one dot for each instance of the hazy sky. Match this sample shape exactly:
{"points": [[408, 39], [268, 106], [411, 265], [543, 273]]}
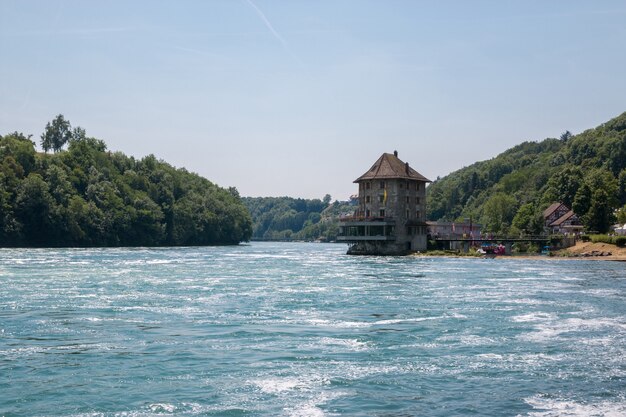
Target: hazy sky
{"points": [[299, 98]]}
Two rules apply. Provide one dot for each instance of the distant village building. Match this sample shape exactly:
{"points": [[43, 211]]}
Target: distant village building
{"points": [[454, 230], [559, 219], [390, 216]]}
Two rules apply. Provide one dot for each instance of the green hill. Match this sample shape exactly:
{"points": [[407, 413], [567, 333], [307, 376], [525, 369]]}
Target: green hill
{"points": [[287, 218], [88, 196], [509, 192]]}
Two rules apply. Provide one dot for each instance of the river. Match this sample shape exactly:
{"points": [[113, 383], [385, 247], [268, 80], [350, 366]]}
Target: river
{"points": [[301, 329]]}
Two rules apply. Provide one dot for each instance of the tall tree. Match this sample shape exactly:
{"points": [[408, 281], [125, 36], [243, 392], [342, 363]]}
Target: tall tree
{"points": [[498, 213], [57, 134], [528, 219], [600, 215]]}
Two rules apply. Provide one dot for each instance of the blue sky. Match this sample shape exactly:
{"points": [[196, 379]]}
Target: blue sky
{"points": [[299, 98]]}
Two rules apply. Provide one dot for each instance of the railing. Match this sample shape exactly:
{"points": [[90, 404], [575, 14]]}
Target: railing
{"points": [[342, 238], [487, 237], [365, 219]]}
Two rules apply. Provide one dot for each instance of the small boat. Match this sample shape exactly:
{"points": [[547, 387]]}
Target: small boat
{"points": [[492, 250]]}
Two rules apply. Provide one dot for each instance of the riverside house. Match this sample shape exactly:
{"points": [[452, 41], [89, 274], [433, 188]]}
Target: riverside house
{"points": [[390, 216], [559, 219]]}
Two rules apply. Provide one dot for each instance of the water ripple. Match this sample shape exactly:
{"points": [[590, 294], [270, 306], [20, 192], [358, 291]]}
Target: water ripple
{"points": [[304, 330]]}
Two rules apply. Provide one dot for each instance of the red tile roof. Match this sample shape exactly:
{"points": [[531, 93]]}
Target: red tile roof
{"points": [[547, 212], [563, 218], [389, 166]]}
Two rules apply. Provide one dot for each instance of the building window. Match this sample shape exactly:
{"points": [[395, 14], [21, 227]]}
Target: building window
{"points": [[408, 213], [381, 198], [367, 185], [367, 213], [417, 214], [382, 185], [401, 185], [417, 186], [408, 199], [417, 200], [367, 199], [381, 212]]}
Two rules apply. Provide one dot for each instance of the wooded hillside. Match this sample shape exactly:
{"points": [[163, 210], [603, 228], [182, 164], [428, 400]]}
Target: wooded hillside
{"points": [[287, 218], [509, 192], [88, 196]]}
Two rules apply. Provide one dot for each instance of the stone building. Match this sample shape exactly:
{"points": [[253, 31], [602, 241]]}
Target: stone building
{"points": [[390, 216]]}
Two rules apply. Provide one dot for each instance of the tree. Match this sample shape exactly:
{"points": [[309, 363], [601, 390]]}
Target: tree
{"points": [[582, 201], [327, 199], [565, 136], [34, 208], [622, 187], [78, 134], [621, 215], [19, 147], [600, 216], [498, 212], [56, 134], [564, 185], [528, 219]]}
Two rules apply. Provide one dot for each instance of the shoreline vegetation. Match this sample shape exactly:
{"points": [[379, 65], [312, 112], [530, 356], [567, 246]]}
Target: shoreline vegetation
{"points": [[88, 196], [80, 194], [594, 251], [508, 193]]}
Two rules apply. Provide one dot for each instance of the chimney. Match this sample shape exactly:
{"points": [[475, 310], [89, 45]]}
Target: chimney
{"points": [[395, 153], [406, 168]]}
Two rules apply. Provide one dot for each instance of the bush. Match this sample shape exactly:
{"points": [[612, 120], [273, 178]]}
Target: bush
{"points": [[602, 239], [613, 240], [585, 238]]}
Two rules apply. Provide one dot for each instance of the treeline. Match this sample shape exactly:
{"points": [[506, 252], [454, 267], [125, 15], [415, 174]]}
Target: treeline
{"points": [[508, 193], [286, 218], [87, 196]]}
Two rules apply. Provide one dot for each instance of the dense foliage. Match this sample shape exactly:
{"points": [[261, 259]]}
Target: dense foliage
{"points": [[508, 193], [286, 218], [88, 196]]}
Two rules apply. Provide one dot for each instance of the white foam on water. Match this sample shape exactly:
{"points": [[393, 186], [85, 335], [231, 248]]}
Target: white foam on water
{"points": [[351, 344], [311, 408], [551, 407], [305, 410], [533, 317], [490, 356], [279, 385], [476, 340], [161, 261], [338, 324], [555, 327], [399, 321], [162, 408]]}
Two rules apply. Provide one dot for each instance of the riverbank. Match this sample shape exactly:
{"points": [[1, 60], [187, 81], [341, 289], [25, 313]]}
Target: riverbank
{"points": [[582, 250], [594, 251]]}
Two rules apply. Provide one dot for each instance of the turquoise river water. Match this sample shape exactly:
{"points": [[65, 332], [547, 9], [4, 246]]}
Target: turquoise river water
{"points": [[296, 329]]}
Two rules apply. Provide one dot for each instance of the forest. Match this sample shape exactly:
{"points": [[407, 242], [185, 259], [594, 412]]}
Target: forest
{"points": [[77, 193], [507, 194], [287, 218]]}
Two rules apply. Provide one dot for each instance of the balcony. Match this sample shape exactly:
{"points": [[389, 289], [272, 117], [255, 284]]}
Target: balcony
{"points": [[359, 229], [366, 221], [341, 238]]}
